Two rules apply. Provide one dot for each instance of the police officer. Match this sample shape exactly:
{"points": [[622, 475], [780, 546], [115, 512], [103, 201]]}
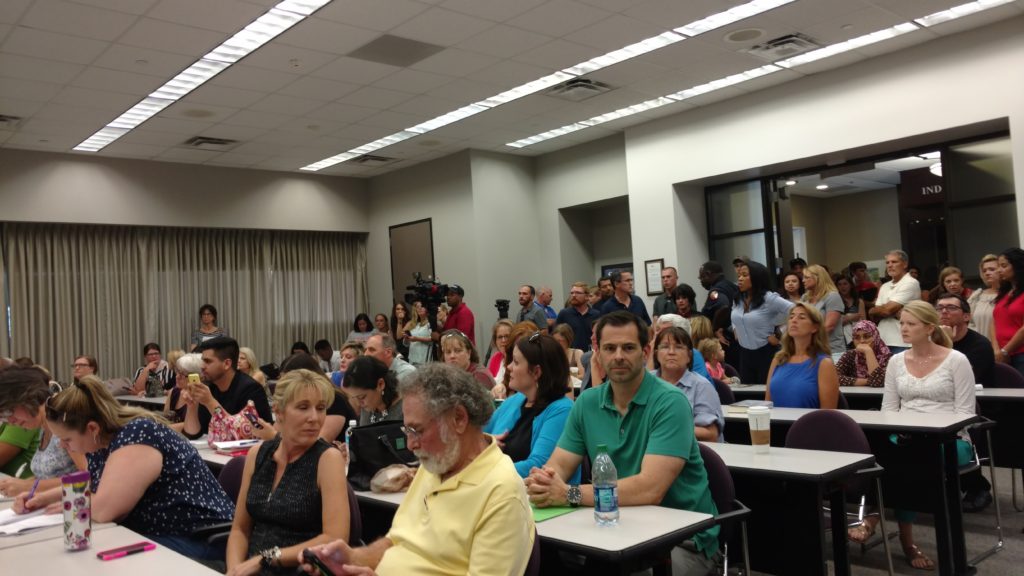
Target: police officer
{"points": [[721, 292]]}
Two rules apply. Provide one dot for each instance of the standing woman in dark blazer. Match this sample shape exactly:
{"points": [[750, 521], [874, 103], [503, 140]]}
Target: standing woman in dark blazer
{"points": [[754, 318]]}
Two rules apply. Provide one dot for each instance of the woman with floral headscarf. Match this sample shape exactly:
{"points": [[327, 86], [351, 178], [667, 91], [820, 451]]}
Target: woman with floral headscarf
{"points": [[865, 364]]}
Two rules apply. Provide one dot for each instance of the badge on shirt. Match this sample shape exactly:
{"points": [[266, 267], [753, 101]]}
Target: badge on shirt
{"points": [[713, 295]]}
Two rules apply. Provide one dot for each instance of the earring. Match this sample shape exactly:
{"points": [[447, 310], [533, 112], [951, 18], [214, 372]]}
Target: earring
{"points": [[95, 439]]}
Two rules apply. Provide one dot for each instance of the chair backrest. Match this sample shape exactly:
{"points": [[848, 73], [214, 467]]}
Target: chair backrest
{"points": [[725, 395], [230, 477], [533, 565], [827, 430], [730, 372], [1006, 376], [355, 519], [723, 492]]}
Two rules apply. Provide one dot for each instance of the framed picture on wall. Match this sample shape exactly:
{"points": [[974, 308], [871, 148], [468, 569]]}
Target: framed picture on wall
{"points": [[608, 269], [653, 268]]}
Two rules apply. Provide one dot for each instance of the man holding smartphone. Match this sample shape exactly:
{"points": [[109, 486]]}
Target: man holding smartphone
{"points": [[225, 389]]}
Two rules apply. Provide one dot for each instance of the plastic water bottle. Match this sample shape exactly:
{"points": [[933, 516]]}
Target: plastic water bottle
{"points": [[348, 448], [606, 491]]}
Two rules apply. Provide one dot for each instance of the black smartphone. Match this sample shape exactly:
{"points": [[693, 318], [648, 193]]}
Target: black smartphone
{"points": [[255, 421], [308, 557]]}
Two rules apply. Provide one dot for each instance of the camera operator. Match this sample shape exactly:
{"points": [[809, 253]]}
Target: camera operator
{"points": [[460, 317]]}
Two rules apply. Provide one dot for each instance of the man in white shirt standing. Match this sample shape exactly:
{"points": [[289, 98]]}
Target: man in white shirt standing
{"points": [[892, 296]]}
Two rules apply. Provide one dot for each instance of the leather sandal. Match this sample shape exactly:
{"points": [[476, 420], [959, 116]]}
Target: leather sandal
{"points": [[861, 533], [913, 554]]}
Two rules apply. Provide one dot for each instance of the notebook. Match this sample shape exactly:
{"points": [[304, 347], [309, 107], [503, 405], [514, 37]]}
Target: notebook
{"points": [[742, 407], [12, 524]]}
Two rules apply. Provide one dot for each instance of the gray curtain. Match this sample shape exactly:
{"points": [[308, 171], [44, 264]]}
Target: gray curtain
{"points": [[107, 290]]}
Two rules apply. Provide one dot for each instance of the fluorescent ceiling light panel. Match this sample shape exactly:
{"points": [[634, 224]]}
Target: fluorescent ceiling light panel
{"points": [[622, 54], [731, 15], [724, 82], [526, 89], [959, 12], [595, 121], [851, 44], [257, 33]]}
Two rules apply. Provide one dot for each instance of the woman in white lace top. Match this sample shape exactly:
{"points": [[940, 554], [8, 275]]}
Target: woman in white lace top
{"points": [[930, 377]]}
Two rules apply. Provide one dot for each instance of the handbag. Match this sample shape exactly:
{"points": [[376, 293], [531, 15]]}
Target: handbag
{"points": [[375, 446]]}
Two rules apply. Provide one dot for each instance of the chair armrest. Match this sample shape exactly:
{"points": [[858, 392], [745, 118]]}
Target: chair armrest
{"points": [[871, 472], [212, 530], [740, 513], [984, 424]]}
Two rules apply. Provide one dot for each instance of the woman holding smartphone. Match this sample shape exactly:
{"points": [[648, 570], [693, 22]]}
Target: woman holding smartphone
{"points": [[293, 493], [143, 475]]}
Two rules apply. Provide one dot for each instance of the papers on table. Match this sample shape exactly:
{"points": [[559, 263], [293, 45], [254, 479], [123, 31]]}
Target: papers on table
{"points": [[11, 523]]}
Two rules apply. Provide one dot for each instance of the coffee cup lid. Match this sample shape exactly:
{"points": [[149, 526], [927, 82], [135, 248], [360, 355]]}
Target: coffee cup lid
{"points": [[758, 409]]}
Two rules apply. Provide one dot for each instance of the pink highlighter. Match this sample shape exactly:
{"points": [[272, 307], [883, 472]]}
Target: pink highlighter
{"points": [[115, 553]]}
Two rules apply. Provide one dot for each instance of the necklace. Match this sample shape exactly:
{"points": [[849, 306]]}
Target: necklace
{"points": [[924, 360]]}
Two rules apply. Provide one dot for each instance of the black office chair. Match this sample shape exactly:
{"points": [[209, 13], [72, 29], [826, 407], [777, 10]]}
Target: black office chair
{"points": [[533, 565], [836, 432], [730, 510], [725, 395]]}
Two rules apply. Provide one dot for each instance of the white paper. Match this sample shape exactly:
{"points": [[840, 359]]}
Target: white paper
{"points": [[9, 516], [31, 521]]}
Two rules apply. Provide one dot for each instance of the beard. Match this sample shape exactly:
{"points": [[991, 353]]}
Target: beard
{"points": [[440, 464]]}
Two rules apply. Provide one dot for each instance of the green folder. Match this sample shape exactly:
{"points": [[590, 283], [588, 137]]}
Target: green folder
{"points": [[542, 514]]}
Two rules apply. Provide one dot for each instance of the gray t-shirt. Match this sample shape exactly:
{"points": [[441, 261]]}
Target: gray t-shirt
{"points": [[833, 302]]}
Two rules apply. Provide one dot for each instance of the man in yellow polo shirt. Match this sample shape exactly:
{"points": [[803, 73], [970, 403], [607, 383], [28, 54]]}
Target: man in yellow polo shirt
{"points": [[466, 511]]}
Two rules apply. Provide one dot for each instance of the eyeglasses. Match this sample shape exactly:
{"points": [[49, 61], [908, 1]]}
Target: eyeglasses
{"points": [[412, 433], [673, 348], [948, 308]]}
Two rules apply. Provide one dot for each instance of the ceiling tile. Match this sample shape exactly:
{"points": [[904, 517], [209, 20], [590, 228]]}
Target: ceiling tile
{"points": [[133, 149], [110, 101], [455, 62], [354, 70], [289, 59], [137, 7], [28, 68], [559, 17], [851, 25], [442, 27], [28, 89], [466, 91], [176, 126], [627, 73], [5, 29], [379, 15], [898, 43], [391, 120], [224, 96], [427, 106], [327, 36], [504, 41], [19, 108], [289, 105], [256, 79], [378, 98], [74, 114], [5, 135], [11, 10], [314, 127], [143, 61], [29, 42], [495, 10], [413, 81], [911, 9], [672, 14], [235, 159], [259, 119], [42, 126], [338, 112], [614, 32], [261, 147], [508, 74], [556, 55], [54, 142], [232, 132], [124, 82], [189, 155], [169, 37], [77, 19], [318, 88], [142, 135], [227, 16], [186, 110]]}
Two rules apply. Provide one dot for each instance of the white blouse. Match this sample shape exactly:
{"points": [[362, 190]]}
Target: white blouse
{"points": [[948, 388]]}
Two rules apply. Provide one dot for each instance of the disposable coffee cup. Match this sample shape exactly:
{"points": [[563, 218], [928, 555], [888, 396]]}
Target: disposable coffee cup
{"points": [[760, 419]]}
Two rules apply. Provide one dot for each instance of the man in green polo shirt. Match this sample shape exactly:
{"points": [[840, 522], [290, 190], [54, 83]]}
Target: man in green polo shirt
{"points": [[647, 425]]}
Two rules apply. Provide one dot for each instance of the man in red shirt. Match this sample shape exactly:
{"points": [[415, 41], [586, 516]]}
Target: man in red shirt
{"points": [[460, 317]]}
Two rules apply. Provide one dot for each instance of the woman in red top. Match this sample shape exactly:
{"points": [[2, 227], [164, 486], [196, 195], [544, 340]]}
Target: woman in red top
{"points": [[1008, 314]]}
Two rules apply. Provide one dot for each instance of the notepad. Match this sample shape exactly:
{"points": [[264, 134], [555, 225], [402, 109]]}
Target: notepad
{"points": [[9, 516], [30, 521], [542, 514], [744, 406]]}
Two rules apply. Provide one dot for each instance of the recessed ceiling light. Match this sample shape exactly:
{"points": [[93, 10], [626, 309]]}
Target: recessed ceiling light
{"points": [[790, 182], [744, 35], [822, 186]]}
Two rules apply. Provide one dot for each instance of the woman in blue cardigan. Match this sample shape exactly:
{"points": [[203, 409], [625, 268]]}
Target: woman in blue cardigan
{"points": [[528, 424]]}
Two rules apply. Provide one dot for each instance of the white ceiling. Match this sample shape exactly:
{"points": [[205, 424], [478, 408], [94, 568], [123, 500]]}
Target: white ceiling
{"points": [[69, 67]]}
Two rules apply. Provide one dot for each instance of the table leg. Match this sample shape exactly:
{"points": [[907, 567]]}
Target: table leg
{"points": [[803, 521], [840, 553]]}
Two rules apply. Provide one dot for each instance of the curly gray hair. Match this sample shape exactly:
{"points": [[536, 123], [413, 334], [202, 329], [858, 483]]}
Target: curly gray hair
{"points": [[444, 387]]}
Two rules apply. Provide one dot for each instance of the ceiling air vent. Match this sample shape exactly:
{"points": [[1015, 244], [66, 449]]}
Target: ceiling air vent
{"points": [[9, 122], [578, 89], [784, 47], [210, 143], [373, 161]]}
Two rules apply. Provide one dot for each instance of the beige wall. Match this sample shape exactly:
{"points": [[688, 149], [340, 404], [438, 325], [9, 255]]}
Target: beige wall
{"points": [[851, 227], [807, 213]]}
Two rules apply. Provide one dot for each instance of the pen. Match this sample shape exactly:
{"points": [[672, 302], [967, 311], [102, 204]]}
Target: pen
{"points": [[32, 492], [20, 470]]}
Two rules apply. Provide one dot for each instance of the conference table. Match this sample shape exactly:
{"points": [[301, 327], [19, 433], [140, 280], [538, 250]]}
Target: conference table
{"points": [[642, 532], [858, 397], [785, 490], [921, 466], [45, 554], [142, 401]]}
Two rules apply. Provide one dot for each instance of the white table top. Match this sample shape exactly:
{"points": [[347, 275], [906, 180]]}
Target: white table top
{"points": [[874, 419], [49, 557], [638, 525], [809, 464], [846, 390], [141, 400], [1001, 393]]}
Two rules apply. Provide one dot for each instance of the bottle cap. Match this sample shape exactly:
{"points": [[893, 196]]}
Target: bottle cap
{"points": [[75, 477], [602, 448]]}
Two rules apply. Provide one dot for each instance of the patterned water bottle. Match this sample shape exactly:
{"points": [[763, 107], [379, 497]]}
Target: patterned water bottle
{"points": [[76, 498]]}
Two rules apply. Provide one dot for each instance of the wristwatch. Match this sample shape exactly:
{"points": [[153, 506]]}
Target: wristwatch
{"points": [[574, 496], [270, 557], [1004, 352]]}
